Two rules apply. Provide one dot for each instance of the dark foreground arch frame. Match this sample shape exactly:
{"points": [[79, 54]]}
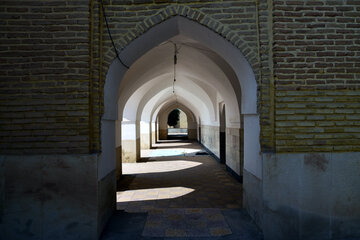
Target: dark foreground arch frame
{"points": [[159, 33]]}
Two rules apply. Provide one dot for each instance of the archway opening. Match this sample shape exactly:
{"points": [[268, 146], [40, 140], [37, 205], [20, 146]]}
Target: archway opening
{"points": [[210, 72], [177, 125]]}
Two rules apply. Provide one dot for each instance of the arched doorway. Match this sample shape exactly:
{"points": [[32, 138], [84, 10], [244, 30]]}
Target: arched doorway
{"points": [[177, 125], [130, 101], [160, 119]]}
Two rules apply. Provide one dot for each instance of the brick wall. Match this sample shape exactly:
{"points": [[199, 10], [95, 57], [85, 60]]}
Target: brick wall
{"points": [[317, 73], [44, 77]]}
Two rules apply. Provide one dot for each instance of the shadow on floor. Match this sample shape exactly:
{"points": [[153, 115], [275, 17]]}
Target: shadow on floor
{"points": [[159, 197], [176, 143], [177, 137], [197, 181]]}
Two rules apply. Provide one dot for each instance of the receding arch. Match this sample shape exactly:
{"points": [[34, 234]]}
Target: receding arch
{"points": [[164, 112], [180, 130], [171, 101], [166, 30], [150, 128], [195, 68], [166, 106], [245, 79]]}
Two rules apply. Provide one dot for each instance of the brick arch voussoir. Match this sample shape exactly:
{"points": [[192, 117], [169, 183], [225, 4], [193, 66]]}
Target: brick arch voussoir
{"points": [[194, 15]]}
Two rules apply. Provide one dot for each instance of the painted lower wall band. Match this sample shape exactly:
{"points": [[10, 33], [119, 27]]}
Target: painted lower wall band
{"points": [[232, 172]]}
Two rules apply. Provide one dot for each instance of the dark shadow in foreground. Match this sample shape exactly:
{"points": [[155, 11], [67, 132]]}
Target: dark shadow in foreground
{"points": [[126, 226]]}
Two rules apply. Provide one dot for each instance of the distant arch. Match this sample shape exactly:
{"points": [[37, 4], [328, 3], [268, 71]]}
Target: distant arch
{"points": [[191, 119]]}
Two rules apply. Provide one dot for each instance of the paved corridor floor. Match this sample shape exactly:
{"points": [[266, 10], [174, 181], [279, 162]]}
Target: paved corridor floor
{"points": [[178, 191]]}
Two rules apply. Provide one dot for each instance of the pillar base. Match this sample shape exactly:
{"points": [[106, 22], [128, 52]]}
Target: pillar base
{"points": [[54, 197]]}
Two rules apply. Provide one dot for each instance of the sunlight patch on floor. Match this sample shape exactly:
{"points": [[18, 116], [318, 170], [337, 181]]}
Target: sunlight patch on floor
{"points": [[157, 167], [168, 152], [152, 194], [173, 142]]}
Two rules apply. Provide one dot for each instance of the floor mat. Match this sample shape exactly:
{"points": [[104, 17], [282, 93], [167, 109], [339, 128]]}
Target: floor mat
{"points": [[185, 222]]}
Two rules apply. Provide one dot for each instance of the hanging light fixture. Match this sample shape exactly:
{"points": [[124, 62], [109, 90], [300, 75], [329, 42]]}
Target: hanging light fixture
{"points": [[175, 62]]}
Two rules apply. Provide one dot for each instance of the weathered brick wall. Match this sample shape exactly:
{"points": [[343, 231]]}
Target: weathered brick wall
{"points": [[266, 91], [317, 73], [44, 76]]}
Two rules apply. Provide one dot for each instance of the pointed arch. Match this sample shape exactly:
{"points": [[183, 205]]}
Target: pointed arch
{"points": [[244, 78], [195, 15], [191, 118]]}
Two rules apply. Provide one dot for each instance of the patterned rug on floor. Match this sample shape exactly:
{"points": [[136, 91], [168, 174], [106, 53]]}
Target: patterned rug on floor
{"points": [[185, 222]]}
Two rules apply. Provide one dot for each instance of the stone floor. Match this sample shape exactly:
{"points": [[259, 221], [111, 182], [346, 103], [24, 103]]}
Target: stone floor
{"points": [[179, 192]]}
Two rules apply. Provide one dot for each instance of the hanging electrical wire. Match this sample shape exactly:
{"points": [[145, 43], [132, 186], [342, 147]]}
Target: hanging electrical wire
{"points": [[109, 33]]}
